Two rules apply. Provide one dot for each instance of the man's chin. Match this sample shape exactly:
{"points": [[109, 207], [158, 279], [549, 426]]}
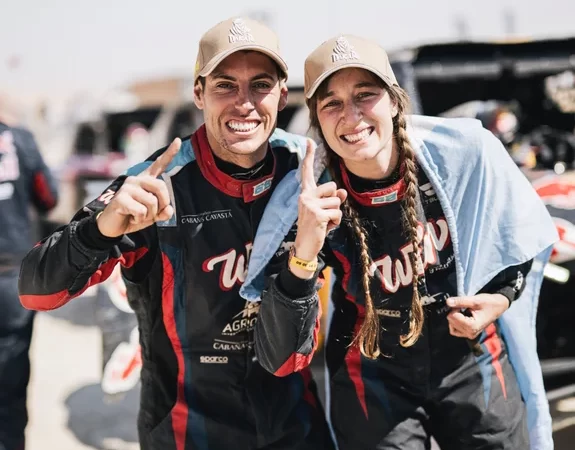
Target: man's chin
{"points": [[247, 146]]}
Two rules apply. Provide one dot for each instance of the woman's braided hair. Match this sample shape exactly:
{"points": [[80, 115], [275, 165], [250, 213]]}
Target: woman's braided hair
{"points": [[368, 336]]}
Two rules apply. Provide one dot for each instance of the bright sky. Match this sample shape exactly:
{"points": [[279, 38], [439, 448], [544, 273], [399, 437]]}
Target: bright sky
{"points": [[65, 45]]}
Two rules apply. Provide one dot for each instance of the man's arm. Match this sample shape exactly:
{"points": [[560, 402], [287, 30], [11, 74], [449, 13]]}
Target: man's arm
{"points": [[118, 227], [77, 256]]}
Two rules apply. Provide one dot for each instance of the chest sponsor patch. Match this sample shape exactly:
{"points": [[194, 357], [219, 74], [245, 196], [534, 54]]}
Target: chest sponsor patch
{"points": [[208, 216]]}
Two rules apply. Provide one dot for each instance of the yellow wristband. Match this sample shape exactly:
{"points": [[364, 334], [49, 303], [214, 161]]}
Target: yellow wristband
{"points": [[310, 266]]}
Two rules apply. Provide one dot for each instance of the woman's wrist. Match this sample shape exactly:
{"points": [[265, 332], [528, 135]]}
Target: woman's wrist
{"points": [[303, 252], [303, 264]]}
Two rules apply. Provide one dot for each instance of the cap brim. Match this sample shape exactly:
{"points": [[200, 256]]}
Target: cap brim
{"points": [[349, 65], [211, 65]]}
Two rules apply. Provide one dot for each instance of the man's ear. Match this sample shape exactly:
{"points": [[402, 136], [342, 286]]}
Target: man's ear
{"points": [[283, 95], [199, 95]]}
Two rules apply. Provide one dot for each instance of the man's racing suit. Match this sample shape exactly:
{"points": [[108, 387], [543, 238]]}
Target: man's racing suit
{"points": [[202, 387]]}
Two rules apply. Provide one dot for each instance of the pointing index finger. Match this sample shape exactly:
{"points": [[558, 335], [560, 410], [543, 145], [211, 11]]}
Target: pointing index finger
{"points": [[160, 165], [307, 176]]}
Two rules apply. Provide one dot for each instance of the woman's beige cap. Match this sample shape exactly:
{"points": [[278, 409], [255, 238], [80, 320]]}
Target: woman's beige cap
{"points": [[233, 35], [343, 52]]}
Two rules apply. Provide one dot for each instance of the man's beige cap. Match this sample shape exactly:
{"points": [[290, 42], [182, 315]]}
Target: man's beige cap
{"points": [[233, 35], [343, 52]]}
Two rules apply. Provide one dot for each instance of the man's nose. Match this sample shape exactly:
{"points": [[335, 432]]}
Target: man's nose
{"points": [[244, 101]]}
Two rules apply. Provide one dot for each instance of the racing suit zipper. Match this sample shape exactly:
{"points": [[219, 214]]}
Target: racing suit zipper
{"points": [[250, 354]]}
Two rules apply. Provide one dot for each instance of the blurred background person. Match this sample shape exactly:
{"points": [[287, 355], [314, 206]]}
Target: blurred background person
{"points": [[24, 180]]}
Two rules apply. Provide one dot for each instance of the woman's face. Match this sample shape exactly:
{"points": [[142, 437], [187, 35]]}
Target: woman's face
{"points": [[356, 116]]}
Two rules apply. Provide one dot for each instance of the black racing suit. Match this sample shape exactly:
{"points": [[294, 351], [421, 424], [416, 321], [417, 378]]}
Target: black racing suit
{"points": [[24, 181], [202, 387], [465, 395]]}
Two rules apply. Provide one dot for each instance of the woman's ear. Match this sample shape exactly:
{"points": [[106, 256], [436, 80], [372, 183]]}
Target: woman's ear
{"points": [[394, 108]]}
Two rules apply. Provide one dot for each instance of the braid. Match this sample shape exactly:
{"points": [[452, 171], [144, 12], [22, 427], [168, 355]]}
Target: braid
{"points": [[368, 336], [410, 206]]}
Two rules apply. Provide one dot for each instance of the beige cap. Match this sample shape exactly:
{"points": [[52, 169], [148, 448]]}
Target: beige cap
{"points": [[343, 52], [231, 36]]}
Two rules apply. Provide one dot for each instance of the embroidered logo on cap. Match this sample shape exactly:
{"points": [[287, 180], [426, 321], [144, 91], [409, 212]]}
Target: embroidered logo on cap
{"points": [[343, 51], [239, 32]]}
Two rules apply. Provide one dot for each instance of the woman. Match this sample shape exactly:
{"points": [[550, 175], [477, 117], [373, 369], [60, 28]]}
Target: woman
{"points": [[427, 252]]}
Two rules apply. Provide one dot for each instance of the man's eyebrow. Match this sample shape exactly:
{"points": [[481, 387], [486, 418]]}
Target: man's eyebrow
{"points": [[223, 76], [264, 75], [259, 76]]}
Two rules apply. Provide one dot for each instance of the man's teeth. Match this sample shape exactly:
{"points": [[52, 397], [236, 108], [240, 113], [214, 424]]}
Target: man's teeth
{"points": [[242, 126], [357, 136]]}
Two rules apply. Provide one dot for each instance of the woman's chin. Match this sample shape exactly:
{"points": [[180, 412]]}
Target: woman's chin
{"points": [[361, 153]]}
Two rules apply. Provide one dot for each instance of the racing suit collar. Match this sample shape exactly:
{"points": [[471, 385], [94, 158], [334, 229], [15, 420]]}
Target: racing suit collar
{"points": [[378, 197], [249, 190]]}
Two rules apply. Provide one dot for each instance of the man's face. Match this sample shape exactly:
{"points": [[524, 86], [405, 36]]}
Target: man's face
{"points": [[240, 101]]}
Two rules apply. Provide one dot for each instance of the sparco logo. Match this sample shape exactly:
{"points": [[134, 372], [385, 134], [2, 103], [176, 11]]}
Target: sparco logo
{"points": [[239, 32], [389, 313], [234, 267], [208, 216], [213, 359], [343, 51]]}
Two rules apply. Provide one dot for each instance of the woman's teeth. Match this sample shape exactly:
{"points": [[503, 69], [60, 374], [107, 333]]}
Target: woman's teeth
{"points": [[352, 138]]}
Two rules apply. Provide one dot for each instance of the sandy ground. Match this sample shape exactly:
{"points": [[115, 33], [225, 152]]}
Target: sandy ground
{"points": [[67, 408]]}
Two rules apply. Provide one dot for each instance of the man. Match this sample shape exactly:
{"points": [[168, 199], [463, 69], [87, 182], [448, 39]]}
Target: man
{"points": [[181, 224], [24, 181]]}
